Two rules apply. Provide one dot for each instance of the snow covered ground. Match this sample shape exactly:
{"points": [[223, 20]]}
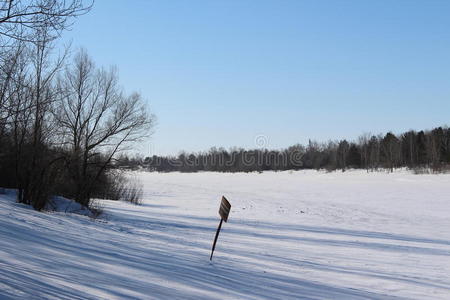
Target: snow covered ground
{"points": [[290, 235]]}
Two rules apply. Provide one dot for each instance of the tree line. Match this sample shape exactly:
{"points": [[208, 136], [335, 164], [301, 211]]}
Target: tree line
{"points": [[63, 120], [424, 149]]}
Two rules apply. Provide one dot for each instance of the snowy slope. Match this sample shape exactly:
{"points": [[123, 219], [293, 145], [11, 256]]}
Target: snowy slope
{"points": [[290, 235]]}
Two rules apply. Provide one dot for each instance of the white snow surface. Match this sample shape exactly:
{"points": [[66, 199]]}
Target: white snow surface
{"points": [[290, 235]]}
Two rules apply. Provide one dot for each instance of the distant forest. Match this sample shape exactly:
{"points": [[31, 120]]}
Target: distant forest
{"points": [[416, 150]]}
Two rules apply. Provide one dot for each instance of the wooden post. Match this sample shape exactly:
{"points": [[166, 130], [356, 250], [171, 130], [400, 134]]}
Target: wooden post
{"points": [[215, 239]]}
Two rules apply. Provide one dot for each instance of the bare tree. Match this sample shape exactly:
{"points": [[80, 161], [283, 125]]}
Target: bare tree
{"points": [[31, 122], [434, 144], [409, 151], [363, 142], [20, 19], [391, 150], [95, 122], [342, 152], [11, 69]]}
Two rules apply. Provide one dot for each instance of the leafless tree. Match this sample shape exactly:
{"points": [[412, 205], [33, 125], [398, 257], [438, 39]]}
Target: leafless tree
{"points": [[363, 141], [31, 121], [391, 150], [20, 19], [11, 70], [96, 121], [433, 147], [342, 152]]}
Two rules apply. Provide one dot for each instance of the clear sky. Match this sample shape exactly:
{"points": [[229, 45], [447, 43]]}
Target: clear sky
{"points": [[220, 73]]}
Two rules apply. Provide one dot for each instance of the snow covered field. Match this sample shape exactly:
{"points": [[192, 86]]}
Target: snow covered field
{"points": [[290, 235]]}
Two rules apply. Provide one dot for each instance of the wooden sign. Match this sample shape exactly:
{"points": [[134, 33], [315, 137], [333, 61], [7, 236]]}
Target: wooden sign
{"points": [[224, 211]]}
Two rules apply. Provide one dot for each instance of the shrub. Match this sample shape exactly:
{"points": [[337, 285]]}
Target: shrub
{"points": [[117, 185]]}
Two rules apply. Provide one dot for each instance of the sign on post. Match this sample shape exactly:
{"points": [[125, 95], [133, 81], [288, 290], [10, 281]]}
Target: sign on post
{"points": [[224, 211]]}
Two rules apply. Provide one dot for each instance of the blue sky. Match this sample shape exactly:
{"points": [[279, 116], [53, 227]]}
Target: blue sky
{"points": [[220, 73]]}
